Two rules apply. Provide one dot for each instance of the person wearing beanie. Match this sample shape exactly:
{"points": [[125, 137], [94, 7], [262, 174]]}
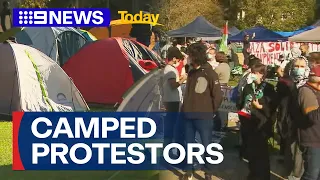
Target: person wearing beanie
{"points": [[295, 53]]}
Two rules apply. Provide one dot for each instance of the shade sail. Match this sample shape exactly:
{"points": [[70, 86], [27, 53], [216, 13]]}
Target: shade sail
{"points": [[289, 34], [308, 36]]}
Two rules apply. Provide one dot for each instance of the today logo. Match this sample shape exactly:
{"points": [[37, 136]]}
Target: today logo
{"points": [[140, 18]]}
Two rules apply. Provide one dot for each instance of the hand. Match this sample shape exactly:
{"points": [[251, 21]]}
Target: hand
{"points": [[184, 77], [256, 104]]}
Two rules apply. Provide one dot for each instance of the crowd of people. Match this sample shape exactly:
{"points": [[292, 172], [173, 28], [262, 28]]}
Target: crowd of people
{"points": [[292, 104], [192, 82]]}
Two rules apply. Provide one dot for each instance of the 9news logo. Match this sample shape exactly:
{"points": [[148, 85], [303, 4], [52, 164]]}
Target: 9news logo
{"points": [[65, 17]]}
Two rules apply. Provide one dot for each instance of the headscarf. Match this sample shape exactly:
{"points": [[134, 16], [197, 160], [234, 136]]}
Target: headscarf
{"points": [[299, 80], [295, 52]]}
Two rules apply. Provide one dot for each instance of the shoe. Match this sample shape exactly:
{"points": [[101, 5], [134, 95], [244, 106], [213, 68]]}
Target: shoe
{"points": [[245, 160], [188, 176], [208, 177]]}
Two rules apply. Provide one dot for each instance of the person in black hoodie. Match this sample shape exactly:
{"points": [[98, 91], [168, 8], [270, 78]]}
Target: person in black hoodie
{"points": [[257, 109]]}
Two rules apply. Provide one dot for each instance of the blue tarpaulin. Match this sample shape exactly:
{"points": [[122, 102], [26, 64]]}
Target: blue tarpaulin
{"points": [[289, 34], [258, 34], [200, 27]]}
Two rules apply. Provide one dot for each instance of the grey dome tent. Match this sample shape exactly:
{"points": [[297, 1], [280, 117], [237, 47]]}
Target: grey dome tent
{"points": [[59, 43], [144, 95], [200, 27], [31, 81]]}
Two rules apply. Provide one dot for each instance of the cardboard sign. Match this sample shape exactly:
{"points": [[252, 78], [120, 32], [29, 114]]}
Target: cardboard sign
{"points": [[228, 110], [227, 105]]}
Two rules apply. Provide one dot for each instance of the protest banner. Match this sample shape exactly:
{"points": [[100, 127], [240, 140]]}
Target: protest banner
{"points": [[269, 52]]}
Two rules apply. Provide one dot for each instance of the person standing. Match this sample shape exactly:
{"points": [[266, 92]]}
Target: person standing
{"points": [[295, 76], [314, 58], [223, 69], [142, 32], [212, 58], [295, 53], [203, 97], [172, 93], [246, 49], [304, 48], [309, 103], [256, 124], [5, 15]]}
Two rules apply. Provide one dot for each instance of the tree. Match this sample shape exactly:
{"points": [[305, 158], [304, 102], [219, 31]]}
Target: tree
{"points": [[281, 15], [33, 3], [177, 13]]}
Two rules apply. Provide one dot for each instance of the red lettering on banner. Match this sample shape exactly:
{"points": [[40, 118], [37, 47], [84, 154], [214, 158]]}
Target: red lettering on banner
{"points": [[269, 52], [271, 47], [278, 47]]}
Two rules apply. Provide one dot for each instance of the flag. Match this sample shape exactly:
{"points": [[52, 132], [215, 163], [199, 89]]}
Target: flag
{"points": [[224, 41]]}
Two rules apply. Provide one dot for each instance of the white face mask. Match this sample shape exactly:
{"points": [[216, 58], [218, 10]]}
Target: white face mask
{"points": [[251, 78], [176, 64], [210, 56]]}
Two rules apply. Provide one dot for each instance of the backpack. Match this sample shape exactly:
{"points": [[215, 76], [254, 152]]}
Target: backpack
{"points": [[300, 117], [237, 92]]}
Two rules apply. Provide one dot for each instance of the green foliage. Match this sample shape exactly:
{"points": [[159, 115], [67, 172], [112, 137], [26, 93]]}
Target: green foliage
{"points": [[177, 13], [59, 3], [281, 15], [33, 3]]}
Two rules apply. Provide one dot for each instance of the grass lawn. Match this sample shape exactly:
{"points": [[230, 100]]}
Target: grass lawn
{"points": [[6, 172]]}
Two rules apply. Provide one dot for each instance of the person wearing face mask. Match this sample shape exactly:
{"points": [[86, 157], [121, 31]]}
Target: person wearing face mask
{"points": [[295, 76], [309, 124], [172, 93], [295, 53], [257, 107], [211, 53], [314, 58]]}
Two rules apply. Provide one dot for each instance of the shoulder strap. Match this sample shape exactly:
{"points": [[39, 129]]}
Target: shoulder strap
{"points": [[313, 90]]}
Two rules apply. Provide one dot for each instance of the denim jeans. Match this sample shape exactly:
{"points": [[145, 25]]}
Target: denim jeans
{"points": [[293, 158], [204, 128], [171, 121], [311, 157]]}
